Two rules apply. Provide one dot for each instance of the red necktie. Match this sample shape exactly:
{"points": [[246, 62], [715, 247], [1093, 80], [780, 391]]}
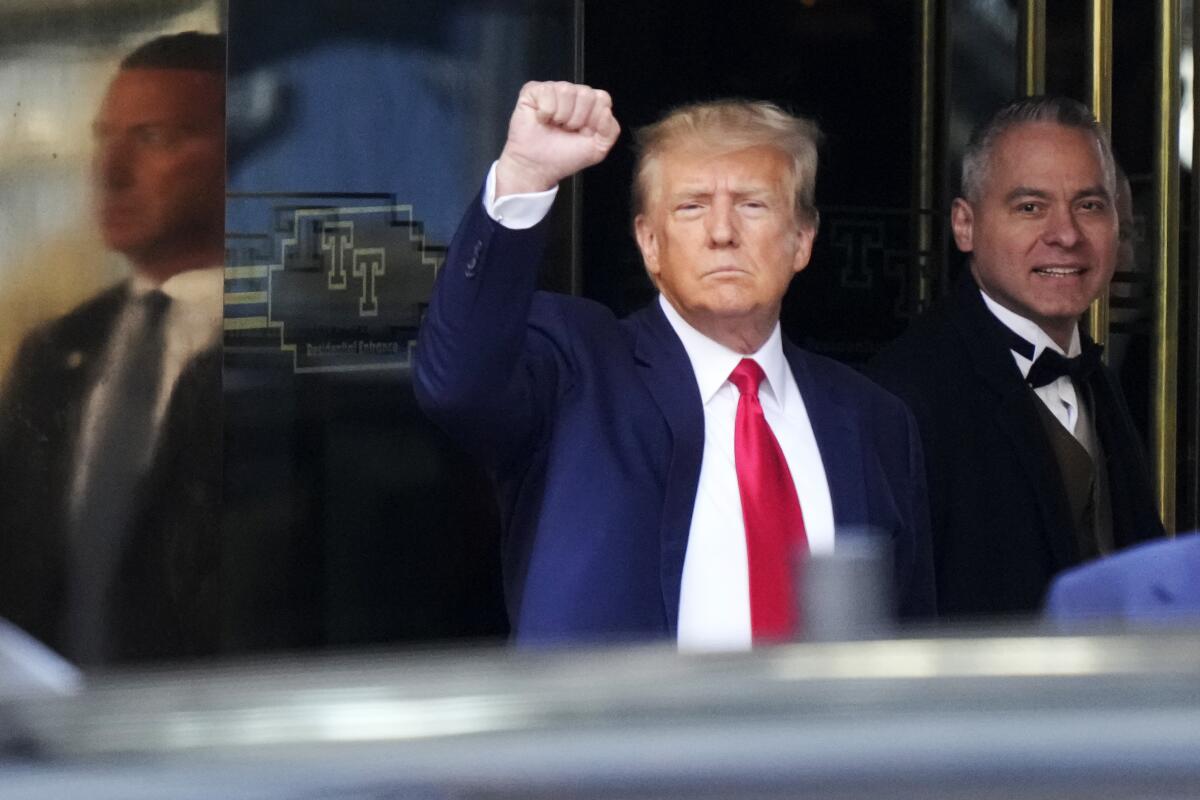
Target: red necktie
{"points": [[775, 537]]}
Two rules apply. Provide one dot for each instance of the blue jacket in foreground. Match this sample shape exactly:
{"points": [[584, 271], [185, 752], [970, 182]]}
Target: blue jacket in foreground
{"points": [[594, 430], [1155, 582]]}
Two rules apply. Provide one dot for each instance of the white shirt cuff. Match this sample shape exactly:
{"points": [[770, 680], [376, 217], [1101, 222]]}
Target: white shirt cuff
{"points": [[516, 211]]}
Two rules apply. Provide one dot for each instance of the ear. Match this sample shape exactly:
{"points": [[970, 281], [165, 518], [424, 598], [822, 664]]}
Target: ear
{"points": [[647, 240], [806, 234], [962, 222]]}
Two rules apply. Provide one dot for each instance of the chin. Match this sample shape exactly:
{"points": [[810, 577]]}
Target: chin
{"points": [[728, 310], [115, 242], [124, 245]]}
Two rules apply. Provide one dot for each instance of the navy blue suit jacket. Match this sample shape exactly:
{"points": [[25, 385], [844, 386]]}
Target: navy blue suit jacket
{"points": [[594, 430]]}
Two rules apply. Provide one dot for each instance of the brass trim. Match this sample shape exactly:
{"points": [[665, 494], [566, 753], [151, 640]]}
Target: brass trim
{"points": [[1164, 377], [1099, 38], [575, 244], [1031, 41], [925, 163], [1190, 342]]}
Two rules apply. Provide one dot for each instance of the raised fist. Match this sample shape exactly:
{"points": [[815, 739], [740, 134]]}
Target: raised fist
{"points": [[556, 130]]}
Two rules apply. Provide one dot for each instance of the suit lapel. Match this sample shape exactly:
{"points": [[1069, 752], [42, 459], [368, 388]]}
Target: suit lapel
{"points": [[839, 441], [1016, 415], [664, 368], [84, 341], [72, 362]]}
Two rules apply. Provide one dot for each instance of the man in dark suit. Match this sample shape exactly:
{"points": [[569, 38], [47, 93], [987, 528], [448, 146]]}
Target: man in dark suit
{"points": [[1033, 464], [657, 474], [110, 417]]}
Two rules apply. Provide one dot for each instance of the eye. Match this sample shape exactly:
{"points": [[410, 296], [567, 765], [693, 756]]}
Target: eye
{"points": [[1093, 205], [1028, 208], [156, 136], [753, 208]]}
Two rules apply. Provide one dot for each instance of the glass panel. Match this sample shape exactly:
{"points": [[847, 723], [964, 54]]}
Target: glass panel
{"points": [[111, 159], [357, 135]]}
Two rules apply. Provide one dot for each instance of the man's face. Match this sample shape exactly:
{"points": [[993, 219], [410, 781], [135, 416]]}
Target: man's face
{"points": [[720, 235], [160, 164], [1043, 233]]}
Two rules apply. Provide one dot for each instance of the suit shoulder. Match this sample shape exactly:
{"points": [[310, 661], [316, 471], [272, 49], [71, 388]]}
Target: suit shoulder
{"points": [[58, 347], [571, 306], [79, 326], [925, 354], [848, 381], [553, 312], [933, 330]]}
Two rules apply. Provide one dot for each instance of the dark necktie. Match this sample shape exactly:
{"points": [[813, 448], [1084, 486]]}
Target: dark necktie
{"points": [[775, 536], [1052, 365], [120, 452]]}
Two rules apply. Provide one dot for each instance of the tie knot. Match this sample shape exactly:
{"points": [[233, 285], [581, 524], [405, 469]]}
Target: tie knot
{"points": [[746, 376], [1052, 365], [154, 303]]}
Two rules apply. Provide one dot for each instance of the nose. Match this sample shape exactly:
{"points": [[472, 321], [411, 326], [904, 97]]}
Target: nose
{"points": [[721, 224], [1062, 229], [113, 164]]}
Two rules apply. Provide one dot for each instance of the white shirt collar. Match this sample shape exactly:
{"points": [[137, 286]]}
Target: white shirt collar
{"points": [[712, 361], [194, 320], [1030, 332], [192, 286]]}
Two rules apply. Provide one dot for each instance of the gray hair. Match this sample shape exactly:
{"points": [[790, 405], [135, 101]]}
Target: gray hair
{"points": [[1044, 108], [725, 126]]}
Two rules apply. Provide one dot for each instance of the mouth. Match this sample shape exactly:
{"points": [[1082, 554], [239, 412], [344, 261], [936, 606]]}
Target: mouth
{"points": [[724, 271], [1060, 271]]}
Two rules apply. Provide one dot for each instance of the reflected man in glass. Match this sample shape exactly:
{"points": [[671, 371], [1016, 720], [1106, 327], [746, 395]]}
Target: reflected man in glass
{"points": [[110, 418]]}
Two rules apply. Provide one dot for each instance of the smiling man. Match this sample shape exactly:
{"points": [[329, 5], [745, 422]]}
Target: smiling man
{"points": [[110, 418], [1033, 463], [663, 475]]}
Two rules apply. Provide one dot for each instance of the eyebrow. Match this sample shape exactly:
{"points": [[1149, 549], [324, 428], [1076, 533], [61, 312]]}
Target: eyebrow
{"points": [[703, 192], [1041, 194], [143, 123]]}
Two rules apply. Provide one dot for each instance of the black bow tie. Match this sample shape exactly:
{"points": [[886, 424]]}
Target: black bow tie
{"points": [[1052, 365]]}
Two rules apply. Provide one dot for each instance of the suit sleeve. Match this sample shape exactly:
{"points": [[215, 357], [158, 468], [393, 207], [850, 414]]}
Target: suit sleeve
{"points": [[893, 370], [483, 372]]}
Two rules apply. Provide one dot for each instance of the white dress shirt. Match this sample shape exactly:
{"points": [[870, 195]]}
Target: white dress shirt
{"points": [[1059, 395], [714, 601], [516, 211], [714, 598]]}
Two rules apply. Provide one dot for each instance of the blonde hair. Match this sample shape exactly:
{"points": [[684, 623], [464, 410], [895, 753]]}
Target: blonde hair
{"points": [[727, 126]]}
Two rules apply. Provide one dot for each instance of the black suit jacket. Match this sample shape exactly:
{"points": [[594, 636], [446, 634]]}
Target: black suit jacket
{"points": [[165, 599], [1001, 524]]}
